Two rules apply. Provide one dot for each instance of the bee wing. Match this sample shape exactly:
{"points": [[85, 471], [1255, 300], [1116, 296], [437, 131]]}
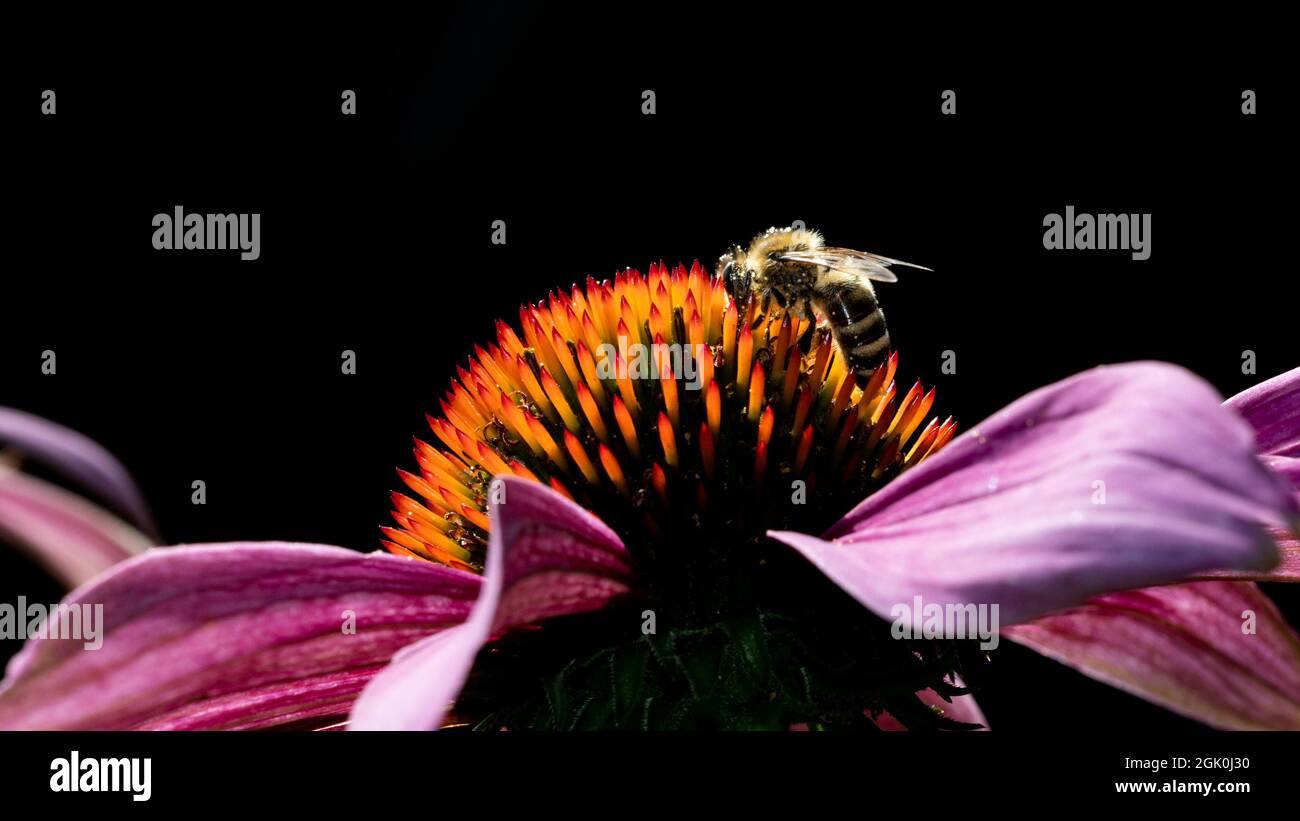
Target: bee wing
{"points": [[871, 266]]}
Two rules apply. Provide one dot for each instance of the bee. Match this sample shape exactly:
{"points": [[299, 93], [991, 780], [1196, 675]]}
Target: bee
{"points": [[794, 267]]}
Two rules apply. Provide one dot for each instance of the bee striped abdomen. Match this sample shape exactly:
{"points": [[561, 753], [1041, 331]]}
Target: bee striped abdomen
{"points": [[795, 266], [858, 326]]}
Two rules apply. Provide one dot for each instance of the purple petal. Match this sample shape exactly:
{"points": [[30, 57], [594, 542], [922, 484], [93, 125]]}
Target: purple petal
{"points": [[228, 635], [77, 457], [1287, 570], [1184, 647], [546, 557], [72, 538], [1288, 467], [1273, 409], [1010, 513], [1288, 541]]}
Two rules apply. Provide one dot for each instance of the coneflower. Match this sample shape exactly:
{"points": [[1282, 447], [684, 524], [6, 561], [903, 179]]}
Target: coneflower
{"points": [[558, 403], [740, 421], [584, 545]]}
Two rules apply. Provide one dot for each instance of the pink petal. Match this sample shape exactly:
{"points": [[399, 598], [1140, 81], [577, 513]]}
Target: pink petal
{"points": [[77, 457], [546, 557], [72, 538], [1008, 513], [327, 695], [961, 708], [1273, 409], [229, 635], [1183, 647]]}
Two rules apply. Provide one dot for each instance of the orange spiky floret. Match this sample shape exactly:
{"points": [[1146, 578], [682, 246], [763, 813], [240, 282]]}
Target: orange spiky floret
{"points": [[564, 400]]}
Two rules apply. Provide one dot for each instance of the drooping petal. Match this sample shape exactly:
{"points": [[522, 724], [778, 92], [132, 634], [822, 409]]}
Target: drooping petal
{"points": [[1119, 477], [1273, 409], [1288, 540], [546, 557], [79, 458], [1218, 652], [72, 538], [1287, 570], [1288, 467], [962, 708], [328, 695], [230, 635]]}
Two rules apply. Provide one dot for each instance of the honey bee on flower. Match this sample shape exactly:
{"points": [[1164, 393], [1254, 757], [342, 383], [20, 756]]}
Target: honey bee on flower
{"points": [[536, 404]]}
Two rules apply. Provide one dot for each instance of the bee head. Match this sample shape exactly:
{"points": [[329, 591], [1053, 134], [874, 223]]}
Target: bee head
{"points": [[736, 278]]}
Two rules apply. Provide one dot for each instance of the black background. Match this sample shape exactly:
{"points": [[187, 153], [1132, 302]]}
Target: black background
{"points": [[376, 231]]}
